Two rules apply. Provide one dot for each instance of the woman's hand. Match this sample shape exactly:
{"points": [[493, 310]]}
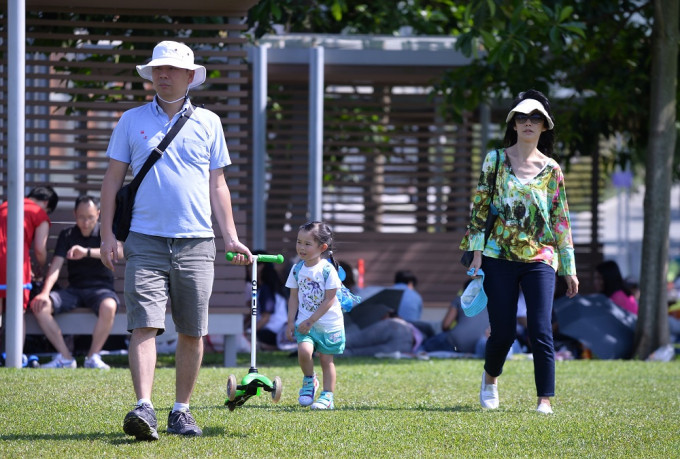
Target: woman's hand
{"points": [[572, 285], [476, 262]]}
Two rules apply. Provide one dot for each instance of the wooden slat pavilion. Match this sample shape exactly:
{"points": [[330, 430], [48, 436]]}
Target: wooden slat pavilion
{"points": [[398, 172]]}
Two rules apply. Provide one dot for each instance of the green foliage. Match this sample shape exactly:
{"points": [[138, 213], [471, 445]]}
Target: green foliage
{"points": [[594, 56], [99, 26], [595, 52], [428, 17], [360, 126], [384, 408]]}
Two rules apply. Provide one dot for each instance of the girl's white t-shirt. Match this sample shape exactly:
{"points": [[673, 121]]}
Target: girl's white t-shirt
{"points": [[311, 292]]}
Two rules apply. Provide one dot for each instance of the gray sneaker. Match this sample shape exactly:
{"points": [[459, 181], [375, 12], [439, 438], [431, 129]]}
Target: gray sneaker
{"points": [[183, 423], [141, 423]]}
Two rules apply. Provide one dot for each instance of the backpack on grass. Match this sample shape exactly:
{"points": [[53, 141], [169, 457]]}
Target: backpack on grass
{"points": [[346, 298]]}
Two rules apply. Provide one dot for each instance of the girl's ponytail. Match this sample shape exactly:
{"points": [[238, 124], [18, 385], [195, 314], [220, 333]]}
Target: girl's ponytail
{"points": [[332, 260]]}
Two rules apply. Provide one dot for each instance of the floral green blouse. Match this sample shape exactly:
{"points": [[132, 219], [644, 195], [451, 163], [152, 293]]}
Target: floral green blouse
{"points": [[533, 218]]}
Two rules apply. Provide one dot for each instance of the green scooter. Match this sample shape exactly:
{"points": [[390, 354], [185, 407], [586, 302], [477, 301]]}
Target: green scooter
{"points": [[253, 383]]}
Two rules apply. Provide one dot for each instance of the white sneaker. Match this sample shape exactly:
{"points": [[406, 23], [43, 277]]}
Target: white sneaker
{"points": [[488, 394], [59, 362], [96, 362], [324, 402], [544, 408]]}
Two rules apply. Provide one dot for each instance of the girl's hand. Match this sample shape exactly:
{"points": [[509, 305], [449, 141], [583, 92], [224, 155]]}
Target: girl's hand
{"points": [[304, 327], [290, 331]]}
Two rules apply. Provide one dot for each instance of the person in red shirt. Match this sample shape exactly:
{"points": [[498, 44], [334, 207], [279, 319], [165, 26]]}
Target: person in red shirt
{"points": [[38, 204]]}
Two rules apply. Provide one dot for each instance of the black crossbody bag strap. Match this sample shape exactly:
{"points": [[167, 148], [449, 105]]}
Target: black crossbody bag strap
{"points": [[157, 152], [495, 176], [487, 230]]}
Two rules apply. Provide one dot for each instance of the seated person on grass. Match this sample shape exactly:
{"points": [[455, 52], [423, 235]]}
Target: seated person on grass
{"points": [[90, 285], [411, 305], [272, 305], [390, 335], [460, 333]]}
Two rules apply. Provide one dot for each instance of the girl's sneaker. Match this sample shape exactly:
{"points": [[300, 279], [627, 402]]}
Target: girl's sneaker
{"points": [[309, 386], [324, 402]]}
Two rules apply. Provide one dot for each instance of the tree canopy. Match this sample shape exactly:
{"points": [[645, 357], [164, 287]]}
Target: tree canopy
{"points": [[612, 64], [594, 56]]}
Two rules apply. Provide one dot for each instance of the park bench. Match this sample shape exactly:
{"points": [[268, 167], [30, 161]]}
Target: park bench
{"points": [[227, 322], [226, 310]]}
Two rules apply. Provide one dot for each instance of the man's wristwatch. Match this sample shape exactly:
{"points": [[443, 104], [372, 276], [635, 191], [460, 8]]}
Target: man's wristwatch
{"points": [[88, 252]]}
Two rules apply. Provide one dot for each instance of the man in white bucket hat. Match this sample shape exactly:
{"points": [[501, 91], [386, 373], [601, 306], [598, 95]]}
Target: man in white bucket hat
{"points": [[170, 250], [173, 54]]}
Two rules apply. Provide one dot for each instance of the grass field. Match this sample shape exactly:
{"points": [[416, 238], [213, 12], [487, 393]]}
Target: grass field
{"points": [[384, 408]]}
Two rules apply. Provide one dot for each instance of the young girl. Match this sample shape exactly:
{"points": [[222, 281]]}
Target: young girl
{"points": [[319, 325]]}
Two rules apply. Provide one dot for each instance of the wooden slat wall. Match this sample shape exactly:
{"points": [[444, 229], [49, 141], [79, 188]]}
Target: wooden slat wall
{"points": [[75, 92], [71, 112], [397, 173], [391, 163], [398, 178]]}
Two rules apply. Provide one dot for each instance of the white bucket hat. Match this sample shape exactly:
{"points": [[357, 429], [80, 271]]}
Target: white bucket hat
{"points": [[527, 106], [173, 54]]}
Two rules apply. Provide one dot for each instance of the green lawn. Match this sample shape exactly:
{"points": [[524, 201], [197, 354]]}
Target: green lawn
{"points": [[384, 408]]}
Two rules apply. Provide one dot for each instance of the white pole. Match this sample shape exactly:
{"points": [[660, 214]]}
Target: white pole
{"points": [[619, 227], [16, 89], [630, 270], [253, 316], [316, 91], [259, 145]]}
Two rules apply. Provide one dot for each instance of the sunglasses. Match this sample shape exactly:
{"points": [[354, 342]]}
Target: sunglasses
{"points": [[535, 118]]}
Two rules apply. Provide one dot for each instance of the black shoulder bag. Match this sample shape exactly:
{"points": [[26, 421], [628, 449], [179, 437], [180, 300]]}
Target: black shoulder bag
{"points": [[125, 198], [466, 259]]}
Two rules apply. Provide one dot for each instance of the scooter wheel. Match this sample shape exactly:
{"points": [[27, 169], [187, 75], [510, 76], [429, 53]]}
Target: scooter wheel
{"points": [[277, 387], [231, 387]]}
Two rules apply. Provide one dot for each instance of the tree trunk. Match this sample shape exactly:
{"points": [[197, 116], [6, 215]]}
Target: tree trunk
{"points": [[652, 328]]}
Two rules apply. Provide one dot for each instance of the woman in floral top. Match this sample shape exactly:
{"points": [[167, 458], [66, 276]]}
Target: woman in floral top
{"points": [[530, 241]]}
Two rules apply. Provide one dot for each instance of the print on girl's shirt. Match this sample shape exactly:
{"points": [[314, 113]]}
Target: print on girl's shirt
{"points": [[312, 293]]}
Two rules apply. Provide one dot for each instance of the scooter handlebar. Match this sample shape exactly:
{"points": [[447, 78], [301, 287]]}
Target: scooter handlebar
{"points": [[261, 258]]}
